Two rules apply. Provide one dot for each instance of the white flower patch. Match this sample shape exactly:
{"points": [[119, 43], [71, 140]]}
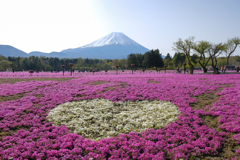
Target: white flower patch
{"points": [[101, 118]]}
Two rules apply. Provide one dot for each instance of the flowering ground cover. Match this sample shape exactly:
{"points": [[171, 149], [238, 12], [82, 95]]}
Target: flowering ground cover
{"points": [[100, 118], [14, 80], [67, 74], [207, 123]]}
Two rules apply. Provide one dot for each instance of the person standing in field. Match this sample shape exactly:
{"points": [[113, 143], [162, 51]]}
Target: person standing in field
{"points": [[222, 68], [217, 69]]}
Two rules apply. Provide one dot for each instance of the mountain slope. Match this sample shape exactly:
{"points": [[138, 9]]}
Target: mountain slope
{"points": [[37, 53], [113, 46], [7, 50], [113, 51], [52, 54]]}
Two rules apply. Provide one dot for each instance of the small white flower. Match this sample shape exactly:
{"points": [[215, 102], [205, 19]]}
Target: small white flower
{"points": [[101, 118]]}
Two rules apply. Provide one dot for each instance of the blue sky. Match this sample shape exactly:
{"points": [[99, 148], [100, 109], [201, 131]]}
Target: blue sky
{"points": [[56, 25]]}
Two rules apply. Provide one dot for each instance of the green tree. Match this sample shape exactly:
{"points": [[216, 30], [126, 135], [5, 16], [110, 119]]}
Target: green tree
{"points": [[114, 63], [39, 66], [185, 47], [221, 61], [5, 64], [230, 47], [24, 65], [168, 57], [132, 59], [237, 58], [122, 63], [1, 57], [194, 58], [169, 63], [48, 68], [80, 63], [153, 59], [202, 48], [214, 52], [179, 59], [140, 58]]}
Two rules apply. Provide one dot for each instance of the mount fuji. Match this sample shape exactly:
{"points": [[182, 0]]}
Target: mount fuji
{"points": [[115, 45]]}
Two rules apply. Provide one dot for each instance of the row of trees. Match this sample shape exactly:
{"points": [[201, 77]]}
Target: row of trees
{"points": [[206, 51], [150, 59], [47, 64], [34, 63], [204, 54]]}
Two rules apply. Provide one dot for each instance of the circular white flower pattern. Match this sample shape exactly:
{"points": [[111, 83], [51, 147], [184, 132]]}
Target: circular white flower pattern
{"points": [[100, 118]]}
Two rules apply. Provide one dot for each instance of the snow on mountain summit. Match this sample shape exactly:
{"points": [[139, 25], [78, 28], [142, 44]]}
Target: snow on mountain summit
{"points": [[115, 45], [112, 38]]}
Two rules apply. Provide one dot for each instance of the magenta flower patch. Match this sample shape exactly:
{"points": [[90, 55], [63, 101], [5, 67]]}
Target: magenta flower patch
{"points": [[184, 138]]}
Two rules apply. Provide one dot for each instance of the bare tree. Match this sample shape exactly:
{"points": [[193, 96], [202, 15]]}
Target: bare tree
{"points": [[185, 47], [202, 48], [214, 51], [230, 47]]}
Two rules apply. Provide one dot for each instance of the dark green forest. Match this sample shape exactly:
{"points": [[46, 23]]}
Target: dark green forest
{"points": [[205, 55], [149, 60]]}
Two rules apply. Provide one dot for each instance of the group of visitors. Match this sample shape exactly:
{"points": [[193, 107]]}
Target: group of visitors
{"points": [[177, 70], [224, 68]]}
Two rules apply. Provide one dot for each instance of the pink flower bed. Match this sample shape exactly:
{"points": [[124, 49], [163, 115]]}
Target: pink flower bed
{"points": [[67, 74], [181, 139], [21, 87]]}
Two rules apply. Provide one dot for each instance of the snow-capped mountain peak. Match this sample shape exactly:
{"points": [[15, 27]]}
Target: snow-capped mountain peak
{"points": [[112, 38], [115, 45]]}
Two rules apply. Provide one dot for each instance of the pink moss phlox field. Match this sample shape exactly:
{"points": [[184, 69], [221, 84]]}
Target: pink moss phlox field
{"points": [[23, 86], [181, 139], [67, 74]]}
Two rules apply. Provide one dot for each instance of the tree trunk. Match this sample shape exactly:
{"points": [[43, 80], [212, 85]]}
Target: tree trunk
{"points": [[214, 65], [191, 68], [191, 71], [190, 64], [214, 70], [205, 70], [226, 65], [203, 66]]}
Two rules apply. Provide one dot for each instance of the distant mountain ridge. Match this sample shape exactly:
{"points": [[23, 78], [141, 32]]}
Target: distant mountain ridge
{"points": [[52, 54], [115, 45], [7, 50]]}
